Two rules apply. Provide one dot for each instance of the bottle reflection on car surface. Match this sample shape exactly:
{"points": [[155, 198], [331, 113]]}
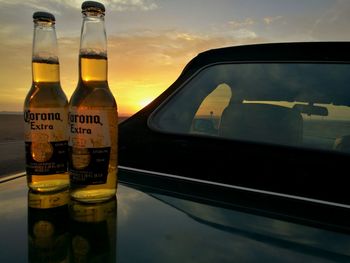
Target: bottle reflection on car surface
{"points": [[93, 231], [48, 221], [62, 230]]}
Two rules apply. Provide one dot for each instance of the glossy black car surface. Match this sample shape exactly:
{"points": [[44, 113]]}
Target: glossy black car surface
{"points": [[147, 224]]}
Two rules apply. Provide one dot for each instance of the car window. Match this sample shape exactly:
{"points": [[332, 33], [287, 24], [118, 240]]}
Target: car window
{"points": [[294, 104]]}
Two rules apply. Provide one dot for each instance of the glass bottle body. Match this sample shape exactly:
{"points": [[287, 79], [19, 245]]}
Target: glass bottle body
{"points": [[93, 116], [93, 127], [45, 116]]}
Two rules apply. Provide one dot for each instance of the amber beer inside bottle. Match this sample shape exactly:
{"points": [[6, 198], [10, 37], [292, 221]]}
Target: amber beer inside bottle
{"points": [[93, 67], [93, 117], [45, 113], [45, 71]]}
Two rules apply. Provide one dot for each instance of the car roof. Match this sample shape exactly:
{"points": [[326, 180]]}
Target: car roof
{"points": [[294, 51]]}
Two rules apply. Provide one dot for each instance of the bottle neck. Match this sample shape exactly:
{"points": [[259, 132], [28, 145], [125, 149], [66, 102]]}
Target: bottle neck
{"points": [[45, 65], [93, 48]]}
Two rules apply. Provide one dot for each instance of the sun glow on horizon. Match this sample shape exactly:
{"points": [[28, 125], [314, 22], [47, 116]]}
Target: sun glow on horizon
{"points": [[144, 102]]}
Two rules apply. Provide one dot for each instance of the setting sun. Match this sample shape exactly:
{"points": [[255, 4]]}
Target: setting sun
{"points": [[145, 102]]}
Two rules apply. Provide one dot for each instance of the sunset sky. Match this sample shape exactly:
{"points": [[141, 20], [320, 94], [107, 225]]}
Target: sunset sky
{"points": [[150, 41]]}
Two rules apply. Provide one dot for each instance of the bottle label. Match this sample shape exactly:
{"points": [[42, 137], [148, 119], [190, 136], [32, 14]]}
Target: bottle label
{"points": [[46, 146], [89, 146]]}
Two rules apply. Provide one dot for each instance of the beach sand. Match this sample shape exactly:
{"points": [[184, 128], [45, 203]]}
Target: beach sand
{"points": [[11, 144], [11, 128]]}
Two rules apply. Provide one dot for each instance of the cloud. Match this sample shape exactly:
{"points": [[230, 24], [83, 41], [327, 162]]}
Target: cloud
{"points": [[333, 24], [239, 29], [243, 23], [7, 30], [123, 5], [329, 23], [119, 5], [271, 19], [245, 34], [38, 5], [113, 5]]}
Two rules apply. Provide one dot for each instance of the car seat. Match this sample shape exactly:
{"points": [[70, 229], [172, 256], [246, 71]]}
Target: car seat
{"points": [[265, 123], [342, 144]]}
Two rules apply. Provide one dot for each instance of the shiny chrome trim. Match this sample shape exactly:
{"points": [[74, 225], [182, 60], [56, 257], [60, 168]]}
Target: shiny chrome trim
{"points": [[236, 187], [6, 178]]}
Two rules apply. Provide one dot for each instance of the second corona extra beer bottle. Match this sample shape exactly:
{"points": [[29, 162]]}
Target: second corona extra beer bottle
{"points": [[45, 113], [93, 117]]}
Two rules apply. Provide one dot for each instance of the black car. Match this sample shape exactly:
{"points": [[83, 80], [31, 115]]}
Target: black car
{"points": [[264, 127], [268, 117]]}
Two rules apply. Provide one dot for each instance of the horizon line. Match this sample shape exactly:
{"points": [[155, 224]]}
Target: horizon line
{"points": [[21, 112]]}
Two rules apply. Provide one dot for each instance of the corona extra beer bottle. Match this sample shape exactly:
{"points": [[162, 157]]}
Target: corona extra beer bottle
{"points": [[93, 117], [45, 113]]}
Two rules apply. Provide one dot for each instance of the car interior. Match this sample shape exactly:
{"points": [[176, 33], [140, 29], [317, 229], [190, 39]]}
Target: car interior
{"points": [[264, 122], [293, 104]]}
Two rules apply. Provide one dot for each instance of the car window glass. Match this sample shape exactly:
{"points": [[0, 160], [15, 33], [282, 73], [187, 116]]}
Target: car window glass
{"points": [[303, 105]]}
